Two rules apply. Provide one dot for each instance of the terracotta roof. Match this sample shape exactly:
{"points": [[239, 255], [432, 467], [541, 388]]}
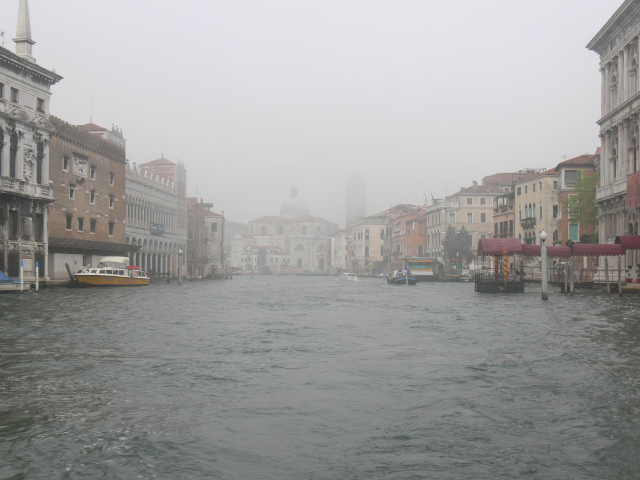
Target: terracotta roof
{"points": [[479, 189], [92, 127], [158, 162], [586, 159], [546, 173]]}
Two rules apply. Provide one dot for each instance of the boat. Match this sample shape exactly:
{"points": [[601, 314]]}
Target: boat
{"points": [[111, 272], [348, 276], [402, 277], [9, 284]]}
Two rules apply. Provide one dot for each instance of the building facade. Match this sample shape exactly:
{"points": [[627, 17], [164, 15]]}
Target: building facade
{"points": [[205, 246], [368, 240], [156, 216], [536, 206], [25, 135], [301, 237], [618, 196], [87, 218]]}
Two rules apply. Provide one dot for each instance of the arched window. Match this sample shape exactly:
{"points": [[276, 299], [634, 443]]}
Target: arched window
{"points": [[366, 251], [366, 234], [13, 155]]}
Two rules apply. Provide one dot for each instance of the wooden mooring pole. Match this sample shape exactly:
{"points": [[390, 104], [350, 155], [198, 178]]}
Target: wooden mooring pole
{"points": [[606, 274]]}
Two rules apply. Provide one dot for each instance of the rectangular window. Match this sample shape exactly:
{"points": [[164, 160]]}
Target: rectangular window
{"points": [[111, 201], [15, 95], [40, 105], [69, 222], [540, 212], [92, 225], [92, 172], [570, 177], [483, 218], [112, 178], [555, 184], [1, 90], [111, 228], [190, 234], [65, 164], [190, 219], [452, 218], [555, 211], [540, 184], [80, 224], [469, 217], [92, 197], [573, 232], [525, 189], [519, 191], [72, 192], [483, 201], [533, 188], [469, 201], [214, 227], [190, 255]]}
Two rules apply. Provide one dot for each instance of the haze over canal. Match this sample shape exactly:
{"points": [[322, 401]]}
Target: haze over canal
{"points": [[313, 378]]}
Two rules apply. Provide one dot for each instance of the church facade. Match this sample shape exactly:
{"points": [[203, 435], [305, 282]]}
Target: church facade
{"points": [[301, 238]]}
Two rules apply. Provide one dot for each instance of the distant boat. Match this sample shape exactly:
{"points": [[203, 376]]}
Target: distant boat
{"points": [[9, 284], [348, 276], [401, 277], [111, 272]]}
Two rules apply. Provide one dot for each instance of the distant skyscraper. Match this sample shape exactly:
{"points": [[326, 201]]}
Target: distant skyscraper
{"points": [[356, 199]]}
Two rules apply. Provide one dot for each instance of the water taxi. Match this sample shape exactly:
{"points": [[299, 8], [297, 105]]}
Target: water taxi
{"points": [[111, 272], [348, 276]]}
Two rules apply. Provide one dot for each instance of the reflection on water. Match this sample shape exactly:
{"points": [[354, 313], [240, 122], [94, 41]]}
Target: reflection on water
{"points": [[288, 377]]}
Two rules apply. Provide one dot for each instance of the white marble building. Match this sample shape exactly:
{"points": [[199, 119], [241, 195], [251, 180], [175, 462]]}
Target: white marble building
{"points": [[25, 132], [617, 44], [156, 216]]}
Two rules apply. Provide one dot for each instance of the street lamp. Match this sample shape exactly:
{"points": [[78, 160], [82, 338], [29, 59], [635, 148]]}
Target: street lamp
{"points": [[179, 266], [543, 266]]}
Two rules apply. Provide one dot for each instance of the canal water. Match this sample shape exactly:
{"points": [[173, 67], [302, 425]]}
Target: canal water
{"points": [[316, 378]]}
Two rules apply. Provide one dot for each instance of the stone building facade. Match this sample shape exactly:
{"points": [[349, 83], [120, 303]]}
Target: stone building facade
{"points": [[205, 246], [368, 242], [617, 43], [536, 207], [156, 216], [87, 218], [25, 133]]}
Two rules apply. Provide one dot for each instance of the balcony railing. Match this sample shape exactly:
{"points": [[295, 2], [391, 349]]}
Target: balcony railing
{"points": [[20, 187], [619, 186]]}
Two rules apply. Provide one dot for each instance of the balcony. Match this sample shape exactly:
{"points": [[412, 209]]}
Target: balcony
{"points": [[615, 188], [20, 187], [528, 222]]}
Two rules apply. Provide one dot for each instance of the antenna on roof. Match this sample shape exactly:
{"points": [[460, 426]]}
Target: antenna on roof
{"points": [[563, 156]]}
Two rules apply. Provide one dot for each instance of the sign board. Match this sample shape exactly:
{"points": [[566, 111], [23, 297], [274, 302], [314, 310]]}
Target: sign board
{"points": [[157, 229]]}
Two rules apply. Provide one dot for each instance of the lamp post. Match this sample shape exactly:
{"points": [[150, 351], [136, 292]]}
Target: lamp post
{"points": [[179, 266], [543, 266]]}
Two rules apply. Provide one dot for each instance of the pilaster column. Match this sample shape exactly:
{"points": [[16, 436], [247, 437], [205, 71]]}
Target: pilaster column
{"points": [[619, 96], [623, 149], [603, 92], [625, 74], [607, 88]]}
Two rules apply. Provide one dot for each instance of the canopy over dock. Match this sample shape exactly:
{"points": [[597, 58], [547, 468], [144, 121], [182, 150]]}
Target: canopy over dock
{"points": [[513, 246]]}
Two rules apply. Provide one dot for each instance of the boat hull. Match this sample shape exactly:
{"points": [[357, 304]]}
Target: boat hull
{"points": [[90, 280], [402, 280], [13, 287]]}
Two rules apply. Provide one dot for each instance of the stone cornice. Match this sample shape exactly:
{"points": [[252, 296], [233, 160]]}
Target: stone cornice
{"points": [[14, 61], [614, 29]]}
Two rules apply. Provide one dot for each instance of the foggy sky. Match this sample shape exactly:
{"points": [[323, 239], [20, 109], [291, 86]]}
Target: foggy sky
{"points": [[420, 97]]}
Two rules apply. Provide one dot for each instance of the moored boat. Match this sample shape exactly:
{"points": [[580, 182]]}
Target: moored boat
{"points": [[9, 284], [348, 276], [402, 277], [111, 272]]}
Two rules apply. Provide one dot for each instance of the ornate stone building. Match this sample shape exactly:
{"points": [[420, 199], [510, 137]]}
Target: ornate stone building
{"points": [[301, 237], [617, 197], [157, 215], [25, 132]]}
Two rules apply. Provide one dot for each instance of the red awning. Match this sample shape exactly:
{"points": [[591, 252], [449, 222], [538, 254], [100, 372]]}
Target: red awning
{"points": [[629, 242], [497, 246], [553, 252], [598, 249]]}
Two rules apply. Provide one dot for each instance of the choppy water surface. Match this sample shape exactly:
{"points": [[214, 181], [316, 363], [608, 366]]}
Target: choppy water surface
{"points": [[314, 378]]}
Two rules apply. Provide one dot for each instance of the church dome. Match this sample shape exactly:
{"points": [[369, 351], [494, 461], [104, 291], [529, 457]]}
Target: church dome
{"points": [[294, 206]]}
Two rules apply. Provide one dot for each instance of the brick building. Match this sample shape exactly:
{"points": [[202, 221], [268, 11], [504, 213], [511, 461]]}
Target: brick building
{"points": [[86, 220]]}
